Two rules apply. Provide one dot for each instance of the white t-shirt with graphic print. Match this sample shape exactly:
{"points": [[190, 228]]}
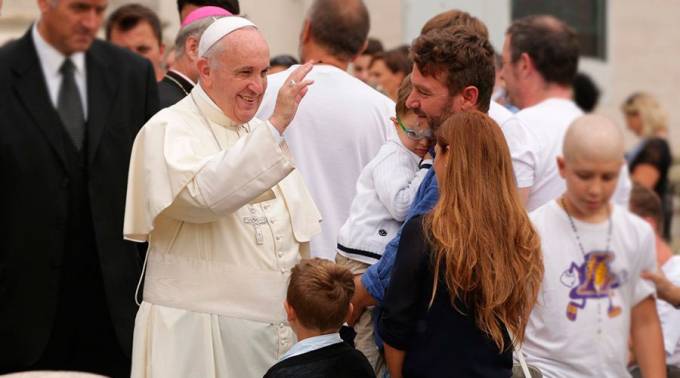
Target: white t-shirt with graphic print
{"points": [[581, 323]]}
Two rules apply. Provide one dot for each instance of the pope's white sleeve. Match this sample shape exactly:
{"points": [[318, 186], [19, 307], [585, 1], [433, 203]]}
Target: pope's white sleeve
{"points": [[232, 178]]}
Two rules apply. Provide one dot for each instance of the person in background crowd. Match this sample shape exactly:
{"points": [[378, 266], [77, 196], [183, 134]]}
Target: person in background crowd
{"points": [[71, 107], [500, 95], [342, 123], [647, 205], [180, 80], [169, 59], [540, 59], [317, 303], [362, 61], [387, 69], [281, 63], [592, 297], [138, 29], [585, 92], [650, 160], [467, 273], [184, 7]]}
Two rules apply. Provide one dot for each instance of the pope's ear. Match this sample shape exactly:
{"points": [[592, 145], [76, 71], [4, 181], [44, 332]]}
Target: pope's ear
{"points": [[203, 70]]}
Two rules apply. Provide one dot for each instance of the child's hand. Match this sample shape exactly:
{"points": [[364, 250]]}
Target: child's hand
{"points": [[664, 288]]}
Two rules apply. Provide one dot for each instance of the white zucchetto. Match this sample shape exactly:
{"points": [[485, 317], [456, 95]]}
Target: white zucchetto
{"points": [[219, 29]]}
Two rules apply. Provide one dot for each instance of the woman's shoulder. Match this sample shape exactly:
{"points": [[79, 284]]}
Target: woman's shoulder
{"points": [[657, 151]]}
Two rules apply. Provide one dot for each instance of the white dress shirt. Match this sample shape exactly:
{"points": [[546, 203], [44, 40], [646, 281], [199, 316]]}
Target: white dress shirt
{"points": [[50, 62]]}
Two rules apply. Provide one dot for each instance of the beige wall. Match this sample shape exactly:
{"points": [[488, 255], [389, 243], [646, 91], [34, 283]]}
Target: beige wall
{"points": [[644, 56]]}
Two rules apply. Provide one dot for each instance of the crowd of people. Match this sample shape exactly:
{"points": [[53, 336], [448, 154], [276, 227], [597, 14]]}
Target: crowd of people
{"points": [[438, 209]]}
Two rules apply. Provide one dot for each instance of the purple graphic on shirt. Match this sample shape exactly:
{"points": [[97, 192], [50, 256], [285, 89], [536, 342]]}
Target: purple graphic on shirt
{"points": [[596, 280]]}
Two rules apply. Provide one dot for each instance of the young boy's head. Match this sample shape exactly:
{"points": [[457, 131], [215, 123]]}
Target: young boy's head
{"points": [[646, 204], [415, 136], [318, 297], [592, 155]]}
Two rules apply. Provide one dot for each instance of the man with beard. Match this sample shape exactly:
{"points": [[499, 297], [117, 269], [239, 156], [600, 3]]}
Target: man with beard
{"points": [[456, 77]]}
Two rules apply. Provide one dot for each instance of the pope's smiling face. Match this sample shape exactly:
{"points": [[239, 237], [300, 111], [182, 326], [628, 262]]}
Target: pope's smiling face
{"points": [[237, 75]]}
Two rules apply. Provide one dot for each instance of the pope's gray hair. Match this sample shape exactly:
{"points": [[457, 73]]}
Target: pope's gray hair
{"points": [[214, 52]]}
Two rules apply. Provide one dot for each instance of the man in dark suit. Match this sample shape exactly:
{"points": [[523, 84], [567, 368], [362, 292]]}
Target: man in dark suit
{"points": [[70, 107]]}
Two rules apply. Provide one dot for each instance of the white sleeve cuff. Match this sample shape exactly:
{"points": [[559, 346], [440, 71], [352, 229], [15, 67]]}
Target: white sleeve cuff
{"points": [[278, 138]]}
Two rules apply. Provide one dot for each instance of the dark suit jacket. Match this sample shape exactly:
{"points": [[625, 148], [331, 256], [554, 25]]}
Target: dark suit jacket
{"points": [[122, 95], [173, 88]]}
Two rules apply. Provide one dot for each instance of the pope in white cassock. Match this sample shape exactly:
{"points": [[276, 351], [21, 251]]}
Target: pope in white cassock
{"points": [[226, 215]]}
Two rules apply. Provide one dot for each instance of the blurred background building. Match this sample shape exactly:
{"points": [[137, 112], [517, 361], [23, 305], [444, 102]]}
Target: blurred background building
{"points": [[628, 45]]}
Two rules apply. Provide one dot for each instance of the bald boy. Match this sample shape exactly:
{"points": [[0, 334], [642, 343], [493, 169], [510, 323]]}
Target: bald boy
{"points": [[593, 137], [592, 155], [592, 297]]}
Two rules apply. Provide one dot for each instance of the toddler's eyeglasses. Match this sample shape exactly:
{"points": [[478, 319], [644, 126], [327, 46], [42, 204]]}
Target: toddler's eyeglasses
{"points": [[415, 134]]}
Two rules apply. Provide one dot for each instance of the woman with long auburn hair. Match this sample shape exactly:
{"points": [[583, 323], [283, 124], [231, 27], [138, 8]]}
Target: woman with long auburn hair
{"points": [[467, 274]]}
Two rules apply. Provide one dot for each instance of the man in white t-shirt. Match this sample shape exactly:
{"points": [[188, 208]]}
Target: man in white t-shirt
{"points": [[592, 296], [342, 123], [540, 60]]}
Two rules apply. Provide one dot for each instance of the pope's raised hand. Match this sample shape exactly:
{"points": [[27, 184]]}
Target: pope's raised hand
{"points": [[291, 93]]}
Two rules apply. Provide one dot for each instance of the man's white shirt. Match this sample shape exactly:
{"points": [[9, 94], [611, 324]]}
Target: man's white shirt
{"points": [[537, 142], [339, 127], [50, 62]]}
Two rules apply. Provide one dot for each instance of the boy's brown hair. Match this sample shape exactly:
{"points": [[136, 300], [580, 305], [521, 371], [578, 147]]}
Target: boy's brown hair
{"points": [[320, 291], [404, 91]]}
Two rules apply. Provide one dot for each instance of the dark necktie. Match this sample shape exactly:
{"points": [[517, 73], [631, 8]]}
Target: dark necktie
{"points": [[69, 105]]}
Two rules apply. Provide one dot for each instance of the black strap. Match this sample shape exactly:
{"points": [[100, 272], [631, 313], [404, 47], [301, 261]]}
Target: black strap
{"points": [[359, 252]]}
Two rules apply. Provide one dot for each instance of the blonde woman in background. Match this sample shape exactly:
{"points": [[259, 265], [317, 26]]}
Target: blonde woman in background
{"points": [[651, 159]]}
